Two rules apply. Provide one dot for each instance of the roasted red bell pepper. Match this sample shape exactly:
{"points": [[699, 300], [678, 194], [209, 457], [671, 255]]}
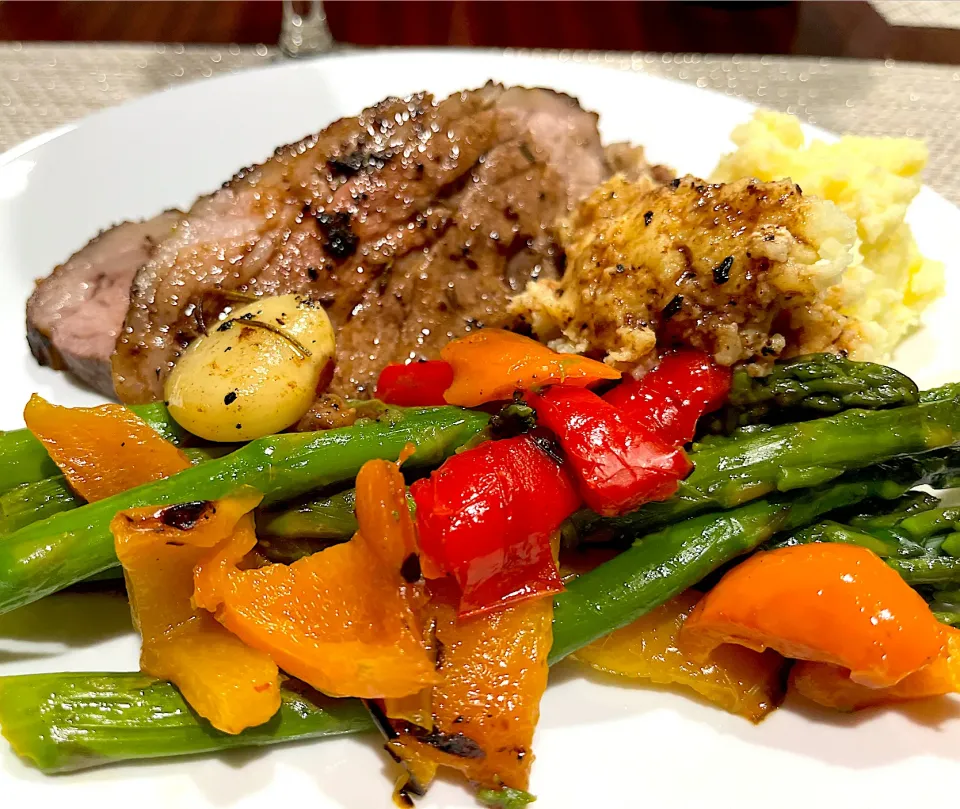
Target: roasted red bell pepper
{"points": [[669, 400], [618, 463], [486, 517], [419, 384]]}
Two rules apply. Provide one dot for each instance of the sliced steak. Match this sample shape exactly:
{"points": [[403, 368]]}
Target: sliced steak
{"points": [[75, 314], [412, 222]]}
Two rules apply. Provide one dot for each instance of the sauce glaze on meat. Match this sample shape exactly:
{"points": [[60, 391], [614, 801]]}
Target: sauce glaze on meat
{"points": [[413, 223]]}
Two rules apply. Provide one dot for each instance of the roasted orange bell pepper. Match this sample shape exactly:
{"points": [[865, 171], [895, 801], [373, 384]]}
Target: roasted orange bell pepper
{"points": [[737, 679], [105, 450], [831, 686], [343, 620], [102, 450], [825, 602], [490, 364], [225, 681], [493, 671]]}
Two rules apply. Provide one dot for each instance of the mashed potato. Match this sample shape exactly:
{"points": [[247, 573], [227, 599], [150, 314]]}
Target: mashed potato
{"points": [[873, 180]]}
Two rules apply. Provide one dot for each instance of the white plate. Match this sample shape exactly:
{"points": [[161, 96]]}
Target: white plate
{"points": [[599, 744]]}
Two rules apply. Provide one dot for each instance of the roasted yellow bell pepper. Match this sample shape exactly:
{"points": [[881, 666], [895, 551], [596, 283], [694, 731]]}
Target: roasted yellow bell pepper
{"points": [[737, 679]]}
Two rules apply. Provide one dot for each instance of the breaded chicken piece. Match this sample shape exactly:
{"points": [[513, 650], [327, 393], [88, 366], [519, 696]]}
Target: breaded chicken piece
{"points": [[743, 271]]}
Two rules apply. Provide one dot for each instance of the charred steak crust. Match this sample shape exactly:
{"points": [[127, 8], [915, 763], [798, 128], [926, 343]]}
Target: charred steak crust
{"points": [[75, 314], [412, 222]]}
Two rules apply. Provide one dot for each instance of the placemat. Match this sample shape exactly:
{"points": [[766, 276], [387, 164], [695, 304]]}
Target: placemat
{"points": [[43, 86]]}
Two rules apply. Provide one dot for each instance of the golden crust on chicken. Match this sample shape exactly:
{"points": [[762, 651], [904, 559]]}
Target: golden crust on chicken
{"points": [[744, 271]]}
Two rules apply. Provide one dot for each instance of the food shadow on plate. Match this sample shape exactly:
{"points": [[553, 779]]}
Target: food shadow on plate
{"points": [[10, 657], [226, 778], [322, 761], [613, 699], [72, 619]]}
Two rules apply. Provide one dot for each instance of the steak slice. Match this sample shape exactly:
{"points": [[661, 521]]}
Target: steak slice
{"points": [[75, 314], [412, 222]]}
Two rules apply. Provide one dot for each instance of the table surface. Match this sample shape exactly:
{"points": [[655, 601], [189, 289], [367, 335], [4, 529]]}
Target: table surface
{"points": [[46, 86]]}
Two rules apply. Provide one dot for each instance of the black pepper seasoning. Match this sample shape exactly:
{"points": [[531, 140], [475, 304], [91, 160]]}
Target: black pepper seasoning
{"points": [[721, 273], [673, 307]]}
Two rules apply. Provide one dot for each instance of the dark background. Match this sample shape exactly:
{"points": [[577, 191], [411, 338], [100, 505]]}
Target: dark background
{"points": [[806, 28]]}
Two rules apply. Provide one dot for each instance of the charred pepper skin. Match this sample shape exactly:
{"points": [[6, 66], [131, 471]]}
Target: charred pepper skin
{"points": [[32, 707], [71, 546]]}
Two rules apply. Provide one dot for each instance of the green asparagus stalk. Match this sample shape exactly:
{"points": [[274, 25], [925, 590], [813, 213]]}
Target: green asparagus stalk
{"points": [[808, 387], [939, 571], [332, 518], [830, 531], [948, 616], [30, 502], [324, 519], [71, 546], [504, 798], [65, 722], [732, 471], [879, 515], [117, 715], [662, 565], [945, 605], [940, 394], [327, 519], [24, 460], [930, 523], [292, 533]]}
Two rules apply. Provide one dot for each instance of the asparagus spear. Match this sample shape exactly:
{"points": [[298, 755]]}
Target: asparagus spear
{"points": [[327, 518], [945, 605], [808, 387], [32, 706], [914, 563], [740, 468], [921, 545], [31, 502], [830, 531], [71, 546], [26, 461], [878, 515], [661, 565], [941, 571], [930, 523], [504, 798], [64, 722], [941, 394]]}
